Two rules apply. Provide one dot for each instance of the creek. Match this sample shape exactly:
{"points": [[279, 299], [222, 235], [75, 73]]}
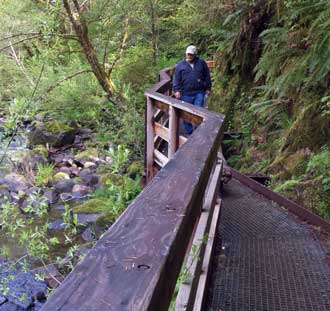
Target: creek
{"points": [[19, 288]]}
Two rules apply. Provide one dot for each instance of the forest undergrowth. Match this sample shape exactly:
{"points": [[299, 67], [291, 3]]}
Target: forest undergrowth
{"points": [[89, 65]]}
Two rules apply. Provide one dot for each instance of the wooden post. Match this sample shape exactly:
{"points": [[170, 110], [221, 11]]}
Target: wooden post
{"points": [[174, 132], [150, 139]]}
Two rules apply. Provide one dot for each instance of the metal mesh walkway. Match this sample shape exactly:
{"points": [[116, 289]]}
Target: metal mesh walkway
{"points": [[269, 259]]}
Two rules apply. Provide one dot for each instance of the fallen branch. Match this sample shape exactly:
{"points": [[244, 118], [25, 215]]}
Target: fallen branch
{"points": [[50, 274]]}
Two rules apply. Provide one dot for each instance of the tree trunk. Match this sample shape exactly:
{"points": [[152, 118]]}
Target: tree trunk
{"points": [[153, 32], [80, 26]]}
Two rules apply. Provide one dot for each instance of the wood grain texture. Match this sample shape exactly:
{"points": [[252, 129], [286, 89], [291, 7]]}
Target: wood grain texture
{"points": [[206, 269], [160, 158], [150, 135], [161, 131], [174, 131], [187, 291], [134, 266], [181, 105]]}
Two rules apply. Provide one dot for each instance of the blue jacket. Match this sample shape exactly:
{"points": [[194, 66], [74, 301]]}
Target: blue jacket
{"points": [[190, 81]]}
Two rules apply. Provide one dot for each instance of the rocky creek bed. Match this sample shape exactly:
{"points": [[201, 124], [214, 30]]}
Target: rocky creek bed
{"points": [[77, 172]]}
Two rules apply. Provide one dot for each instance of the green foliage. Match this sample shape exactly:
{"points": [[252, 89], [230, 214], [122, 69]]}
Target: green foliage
{"points": [[32, 237], [70, 220], [117, 189], [44, 174], [319, 167], [287, 186], [119, 158]]}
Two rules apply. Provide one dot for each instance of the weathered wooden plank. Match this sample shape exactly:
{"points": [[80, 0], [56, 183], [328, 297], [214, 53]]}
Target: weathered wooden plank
{"points": [[191, 118], [134, 266], [160, 158], [186, 296], [186, 115], [182, 140], [173, 142], [150, 135], [161, 131], [162, 106], [181, 105], [203, 279]]}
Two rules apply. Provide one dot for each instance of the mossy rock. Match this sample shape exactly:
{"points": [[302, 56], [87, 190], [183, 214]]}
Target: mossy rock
{"points": [[104, 169], [112, 179], [78, 180], [106, 220], [40, 150], [136, 168], [55, 127], [92, 206], [41, 137], [52, 133], [60, 175], [86, 154]]}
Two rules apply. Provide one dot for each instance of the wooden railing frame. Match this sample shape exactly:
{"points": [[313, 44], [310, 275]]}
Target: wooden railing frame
{"points": [[134, 266], [157, 98]]}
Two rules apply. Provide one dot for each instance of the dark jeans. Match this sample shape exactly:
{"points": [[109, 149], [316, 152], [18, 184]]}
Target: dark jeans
{"points": [[197, 100]]}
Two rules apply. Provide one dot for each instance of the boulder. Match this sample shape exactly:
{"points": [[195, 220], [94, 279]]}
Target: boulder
{"points": [[88, 235], [23, 287], [52, 133], [66, 170], [8, 306], [16, 182], [57, 225], [78, 140], [80, 191], [85, 219], [85, 131], [90, 164], [60, 175], [92, 206], [2, 300], [51, 196], [40, 136], [64, 185], [89, 177], [60, 207], [66, 196]]}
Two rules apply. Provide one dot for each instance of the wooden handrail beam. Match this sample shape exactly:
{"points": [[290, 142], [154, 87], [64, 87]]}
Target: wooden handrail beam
{"points": [[135, 265]]}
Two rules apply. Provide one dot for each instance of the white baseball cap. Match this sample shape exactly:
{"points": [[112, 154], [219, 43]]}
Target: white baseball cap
{"points": [[191, 49]]}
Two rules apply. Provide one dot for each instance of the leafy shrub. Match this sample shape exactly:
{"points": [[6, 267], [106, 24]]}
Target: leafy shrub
{"points": [[44, 174]]}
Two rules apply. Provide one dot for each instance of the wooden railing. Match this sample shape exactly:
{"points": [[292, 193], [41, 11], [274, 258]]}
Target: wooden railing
{"points": [[135, 265], [167, 129]]}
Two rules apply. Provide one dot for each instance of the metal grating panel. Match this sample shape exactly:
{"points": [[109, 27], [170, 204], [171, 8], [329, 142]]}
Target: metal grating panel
{"points": [[269, 260]]}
